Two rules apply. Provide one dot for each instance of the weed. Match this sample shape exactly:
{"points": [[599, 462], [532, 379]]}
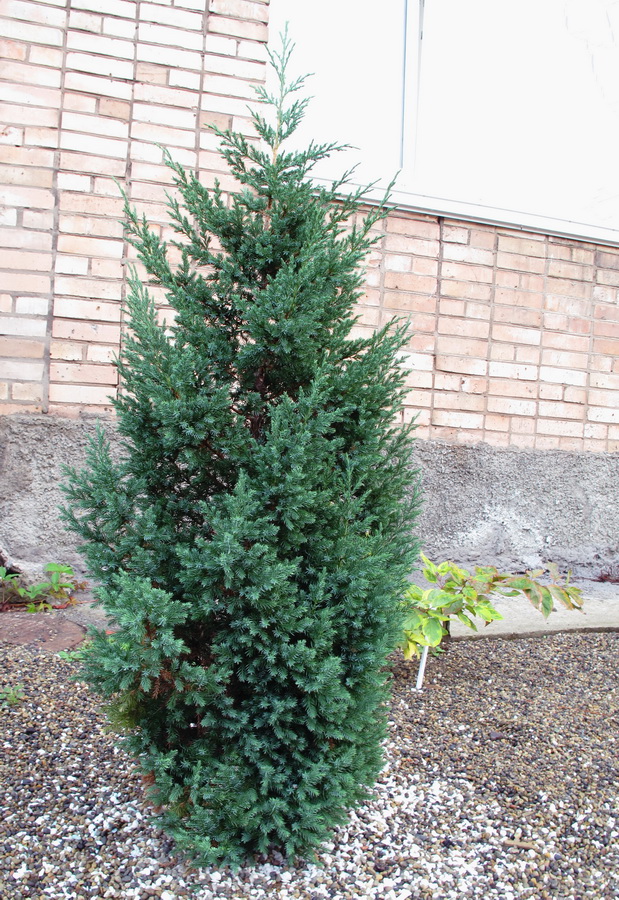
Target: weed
{"points": [[11, 695]]}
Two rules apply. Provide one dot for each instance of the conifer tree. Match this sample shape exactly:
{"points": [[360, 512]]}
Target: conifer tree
{"points": [[253, 537]]}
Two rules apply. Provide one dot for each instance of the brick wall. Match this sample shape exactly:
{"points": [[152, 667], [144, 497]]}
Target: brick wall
{"points": [[91, 89], [516, 335]]}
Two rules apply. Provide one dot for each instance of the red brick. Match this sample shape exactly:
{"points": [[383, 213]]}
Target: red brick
{"points": [[119, 28], [518, 316], [520, 263], [559, 269], [556, 375], [472, 328], [165, 15], [519, 281], [94, 165], [456, 234], [79, 102], [603, 414], [238, 28], [242, 9], [576, 289], [77, 245], [551, 357], [462, 253], [576, 342], [457, 419], [90, 288], [501, 387], [523, 247], [407, 281], [461, 364], [463, 272], [21, 370], [486, 240], [515, 334], [607, 259], [92, 205], [80, 330], [94, 84], [81, 394], [513, 370], [13, 50], [15, 347], [23, 326], [169, 56], [560, 427], [150, 73], [123, 8], [86, 310], [401, 243], [454, 346], [29, 391], [466, 290], [31, 33], [83, 374], [496, 423], [460, 400], [421, 228]]}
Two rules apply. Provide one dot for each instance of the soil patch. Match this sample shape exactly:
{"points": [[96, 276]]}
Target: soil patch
{"points": [[44, 630]]}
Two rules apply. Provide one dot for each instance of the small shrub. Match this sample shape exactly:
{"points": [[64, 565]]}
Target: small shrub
{"points": [[255, 536], [427, 612]]}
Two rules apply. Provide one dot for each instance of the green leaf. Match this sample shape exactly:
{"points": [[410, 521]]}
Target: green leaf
{"points": [[560, 595], [414, 593], [467, 621], [575, 595], [412, 621], [489, 614], [547, 602], [519, 582], [59, 568], [434, 632], [435, 598]]}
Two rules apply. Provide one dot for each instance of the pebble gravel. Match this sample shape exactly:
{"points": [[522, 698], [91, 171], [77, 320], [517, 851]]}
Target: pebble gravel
{"points": [[501, 782]]}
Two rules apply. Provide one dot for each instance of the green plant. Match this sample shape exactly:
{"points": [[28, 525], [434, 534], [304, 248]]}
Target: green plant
{"points": [[254, 536], [459, 593], [77, 655], [8, 583], [11, 695], [43, 596]]}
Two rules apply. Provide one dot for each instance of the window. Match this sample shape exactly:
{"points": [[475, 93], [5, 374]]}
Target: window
{"points": [[503, 112]]}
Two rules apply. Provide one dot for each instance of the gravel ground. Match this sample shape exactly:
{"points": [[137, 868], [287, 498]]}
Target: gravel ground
{"points": [[500, 782]]}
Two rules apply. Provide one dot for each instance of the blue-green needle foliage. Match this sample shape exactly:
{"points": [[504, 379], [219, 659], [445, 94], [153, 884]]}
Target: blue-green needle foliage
{"points": [[254, 537]]}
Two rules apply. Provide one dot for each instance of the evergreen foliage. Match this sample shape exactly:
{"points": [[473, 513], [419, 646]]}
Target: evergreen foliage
{"points": [[254, 536]]}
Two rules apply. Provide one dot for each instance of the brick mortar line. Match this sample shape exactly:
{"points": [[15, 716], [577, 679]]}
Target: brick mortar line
{"points": [[47, 353], [545, 290], [590, 354], [440, 220], [491, 309], [128, 185], [201, 91]]}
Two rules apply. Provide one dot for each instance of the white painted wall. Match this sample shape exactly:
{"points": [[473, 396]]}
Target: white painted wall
{"points": [[506, 110]]}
